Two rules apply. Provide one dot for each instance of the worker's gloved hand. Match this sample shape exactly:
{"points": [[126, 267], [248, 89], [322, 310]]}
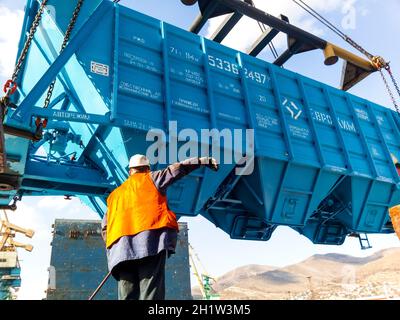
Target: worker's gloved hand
{"points": [[209, 162]]}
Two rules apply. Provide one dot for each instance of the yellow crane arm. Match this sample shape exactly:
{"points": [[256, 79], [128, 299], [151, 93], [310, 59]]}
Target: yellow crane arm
{"points": [[27, 232], [16, 244], [3, 241], [7, 234]]}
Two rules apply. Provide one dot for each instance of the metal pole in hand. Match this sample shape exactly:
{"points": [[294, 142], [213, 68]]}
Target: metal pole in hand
{"points": [[100, 286]]}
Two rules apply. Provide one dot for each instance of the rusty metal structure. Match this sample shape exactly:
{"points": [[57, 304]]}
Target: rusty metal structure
{"points": [[78, 264]]}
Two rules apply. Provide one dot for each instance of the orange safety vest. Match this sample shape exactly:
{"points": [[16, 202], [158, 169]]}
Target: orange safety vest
{"points": [[136, 206], [395, 217]]}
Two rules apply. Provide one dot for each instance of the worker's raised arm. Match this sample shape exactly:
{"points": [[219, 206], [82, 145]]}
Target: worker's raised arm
{"points": [[164, 178]]}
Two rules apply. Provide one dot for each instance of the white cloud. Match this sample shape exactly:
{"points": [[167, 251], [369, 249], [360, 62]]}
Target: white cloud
{"points": [[247, 30], [10, 30], [55, 203]]}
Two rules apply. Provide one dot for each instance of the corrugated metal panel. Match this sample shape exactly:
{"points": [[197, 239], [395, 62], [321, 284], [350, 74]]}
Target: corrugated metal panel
{"points": [[79, 264]]}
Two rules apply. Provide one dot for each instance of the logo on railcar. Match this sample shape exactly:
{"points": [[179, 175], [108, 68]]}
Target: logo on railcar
{"points": [[294, 110]]}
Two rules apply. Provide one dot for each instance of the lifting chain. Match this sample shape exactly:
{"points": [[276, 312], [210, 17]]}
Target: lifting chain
{"points": [[380, 64], [396, 85], [11, 85], [389, 90]]}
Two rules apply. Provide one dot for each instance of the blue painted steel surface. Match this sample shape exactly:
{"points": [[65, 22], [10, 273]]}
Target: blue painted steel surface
{"points": [[78, 264], [322, 156], [10, 275], [10, 280]]}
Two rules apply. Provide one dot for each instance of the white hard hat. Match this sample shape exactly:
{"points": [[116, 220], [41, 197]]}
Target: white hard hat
{"points": [[138, 160]]}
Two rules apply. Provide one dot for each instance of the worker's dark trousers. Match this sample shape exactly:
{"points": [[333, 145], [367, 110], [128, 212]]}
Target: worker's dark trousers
{"points": [[142, 279]]}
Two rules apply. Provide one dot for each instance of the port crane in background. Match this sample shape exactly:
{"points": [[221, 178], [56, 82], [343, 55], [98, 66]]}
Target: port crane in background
{"points": [[204, 280], [10, 270]]}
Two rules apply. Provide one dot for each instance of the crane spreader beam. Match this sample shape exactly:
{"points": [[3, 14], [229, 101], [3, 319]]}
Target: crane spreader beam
{"points": [[356, 67]]}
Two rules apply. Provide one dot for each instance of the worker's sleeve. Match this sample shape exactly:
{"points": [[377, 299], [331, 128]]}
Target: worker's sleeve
{"points": [[164, 178], [104, 227]]}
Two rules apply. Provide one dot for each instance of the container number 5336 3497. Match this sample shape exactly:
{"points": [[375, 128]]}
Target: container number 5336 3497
{"points": [[234, 68]]}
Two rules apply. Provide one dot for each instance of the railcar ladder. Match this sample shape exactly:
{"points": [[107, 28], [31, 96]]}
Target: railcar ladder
{"points": [[364, 241]]}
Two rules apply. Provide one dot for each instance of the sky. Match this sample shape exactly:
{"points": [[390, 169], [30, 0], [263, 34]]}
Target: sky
{"points": [[376, 30]]}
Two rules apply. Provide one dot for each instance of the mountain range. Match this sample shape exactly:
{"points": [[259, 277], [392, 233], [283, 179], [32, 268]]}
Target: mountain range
{"points": [[329, 276]]}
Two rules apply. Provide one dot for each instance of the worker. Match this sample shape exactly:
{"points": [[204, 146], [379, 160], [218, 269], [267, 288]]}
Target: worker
{"points": [[140, 230], [394, 212]]}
